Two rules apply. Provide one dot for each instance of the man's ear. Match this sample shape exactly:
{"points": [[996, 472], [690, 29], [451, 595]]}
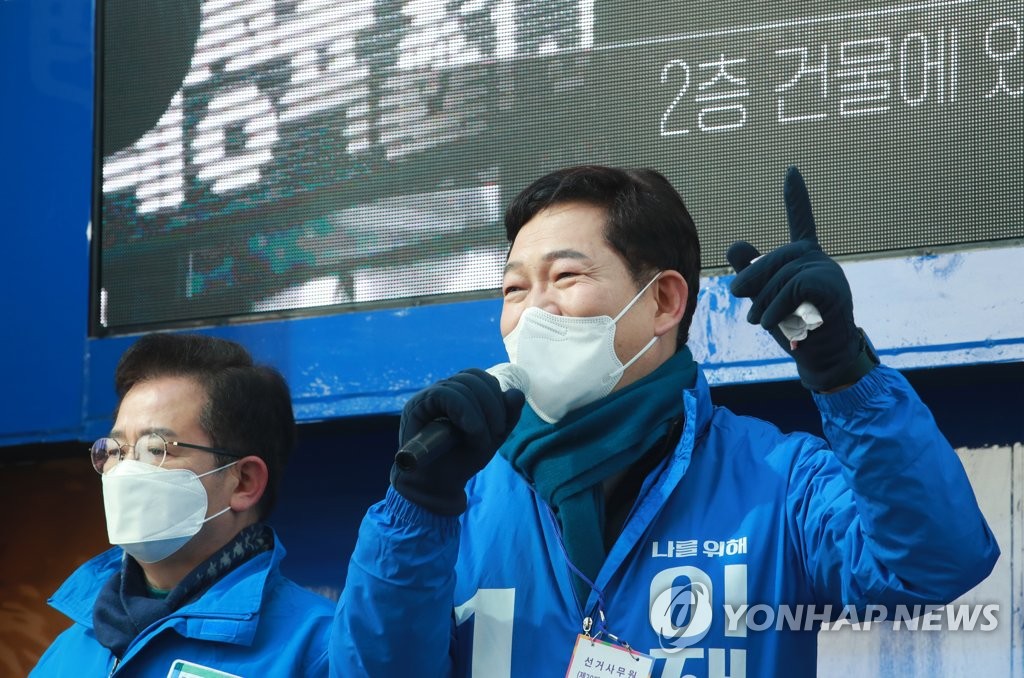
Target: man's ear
{"points": [[252, 476], [670, 293]]}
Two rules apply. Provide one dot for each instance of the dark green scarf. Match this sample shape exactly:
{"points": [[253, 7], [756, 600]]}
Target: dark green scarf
{"points": [[567, 462]]}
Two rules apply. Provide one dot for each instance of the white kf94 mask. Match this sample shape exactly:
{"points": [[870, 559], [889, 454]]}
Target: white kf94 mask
{"points": [[152, 511], [570, 362]]}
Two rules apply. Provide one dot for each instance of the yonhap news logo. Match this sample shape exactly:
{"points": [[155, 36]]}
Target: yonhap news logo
{"points": [[952, 617], [683, 615]]}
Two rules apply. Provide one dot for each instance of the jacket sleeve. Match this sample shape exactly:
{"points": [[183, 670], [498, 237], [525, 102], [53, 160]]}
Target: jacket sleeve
{"points": [[394, 617], [887, 516]]}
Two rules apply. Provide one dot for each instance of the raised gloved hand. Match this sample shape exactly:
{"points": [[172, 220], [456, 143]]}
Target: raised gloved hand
{"points": [[836, 353], [482, 415]]}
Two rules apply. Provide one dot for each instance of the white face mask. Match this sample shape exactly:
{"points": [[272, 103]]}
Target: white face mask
{"points": [[570, 362], [152, 511]]}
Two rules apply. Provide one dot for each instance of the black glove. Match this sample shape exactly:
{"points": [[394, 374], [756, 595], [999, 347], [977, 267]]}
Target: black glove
{"points": [[833, 355], [481, 414]]}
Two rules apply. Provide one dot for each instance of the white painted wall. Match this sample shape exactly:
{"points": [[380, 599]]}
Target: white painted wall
{"points": [[955, 308], [997, 475]]}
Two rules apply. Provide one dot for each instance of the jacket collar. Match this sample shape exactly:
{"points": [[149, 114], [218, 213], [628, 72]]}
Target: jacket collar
{"points": [[227, 611], [662, 482]]}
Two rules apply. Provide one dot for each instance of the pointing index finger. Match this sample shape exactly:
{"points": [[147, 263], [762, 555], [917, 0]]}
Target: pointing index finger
{"points": [[798, 207]]}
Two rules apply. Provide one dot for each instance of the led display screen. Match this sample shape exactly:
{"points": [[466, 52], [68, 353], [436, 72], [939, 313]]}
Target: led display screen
{"points": [[324, 156]]}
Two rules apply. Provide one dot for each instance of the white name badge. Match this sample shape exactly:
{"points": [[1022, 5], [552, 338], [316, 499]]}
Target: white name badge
{"points": [[593, 658], [183, 669]]}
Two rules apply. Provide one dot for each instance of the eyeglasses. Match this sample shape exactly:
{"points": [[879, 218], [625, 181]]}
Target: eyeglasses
{"points": [[150, 448]]}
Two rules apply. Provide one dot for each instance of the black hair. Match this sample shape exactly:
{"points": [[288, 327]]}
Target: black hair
{"points": [[647, 221], [248, 407]]}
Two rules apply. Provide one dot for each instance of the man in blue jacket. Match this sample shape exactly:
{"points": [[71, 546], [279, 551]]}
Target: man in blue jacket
{"points": [[190, 471], [627, 526]]}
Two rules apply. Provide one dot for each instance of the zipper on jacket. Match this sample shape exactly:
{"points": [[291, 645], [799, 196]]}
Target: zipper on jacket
{"points": [[571, 568], [117, 662]]}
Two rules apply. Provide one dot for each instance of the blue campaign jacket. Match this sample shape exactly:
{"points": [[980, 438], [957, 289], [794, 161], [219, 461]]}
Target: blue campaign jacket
{"points": [[739, 513], [252, 622]]}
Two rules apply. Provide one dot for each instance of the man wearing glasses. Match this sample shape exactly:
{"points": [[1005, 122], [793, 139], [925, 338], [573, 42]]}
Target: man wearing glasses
{"points": [[190, 471]]}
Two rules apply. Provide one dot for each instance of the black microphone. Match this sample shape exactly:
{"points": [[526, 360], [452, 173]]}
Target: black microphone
{"points": [[438, 437]]}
